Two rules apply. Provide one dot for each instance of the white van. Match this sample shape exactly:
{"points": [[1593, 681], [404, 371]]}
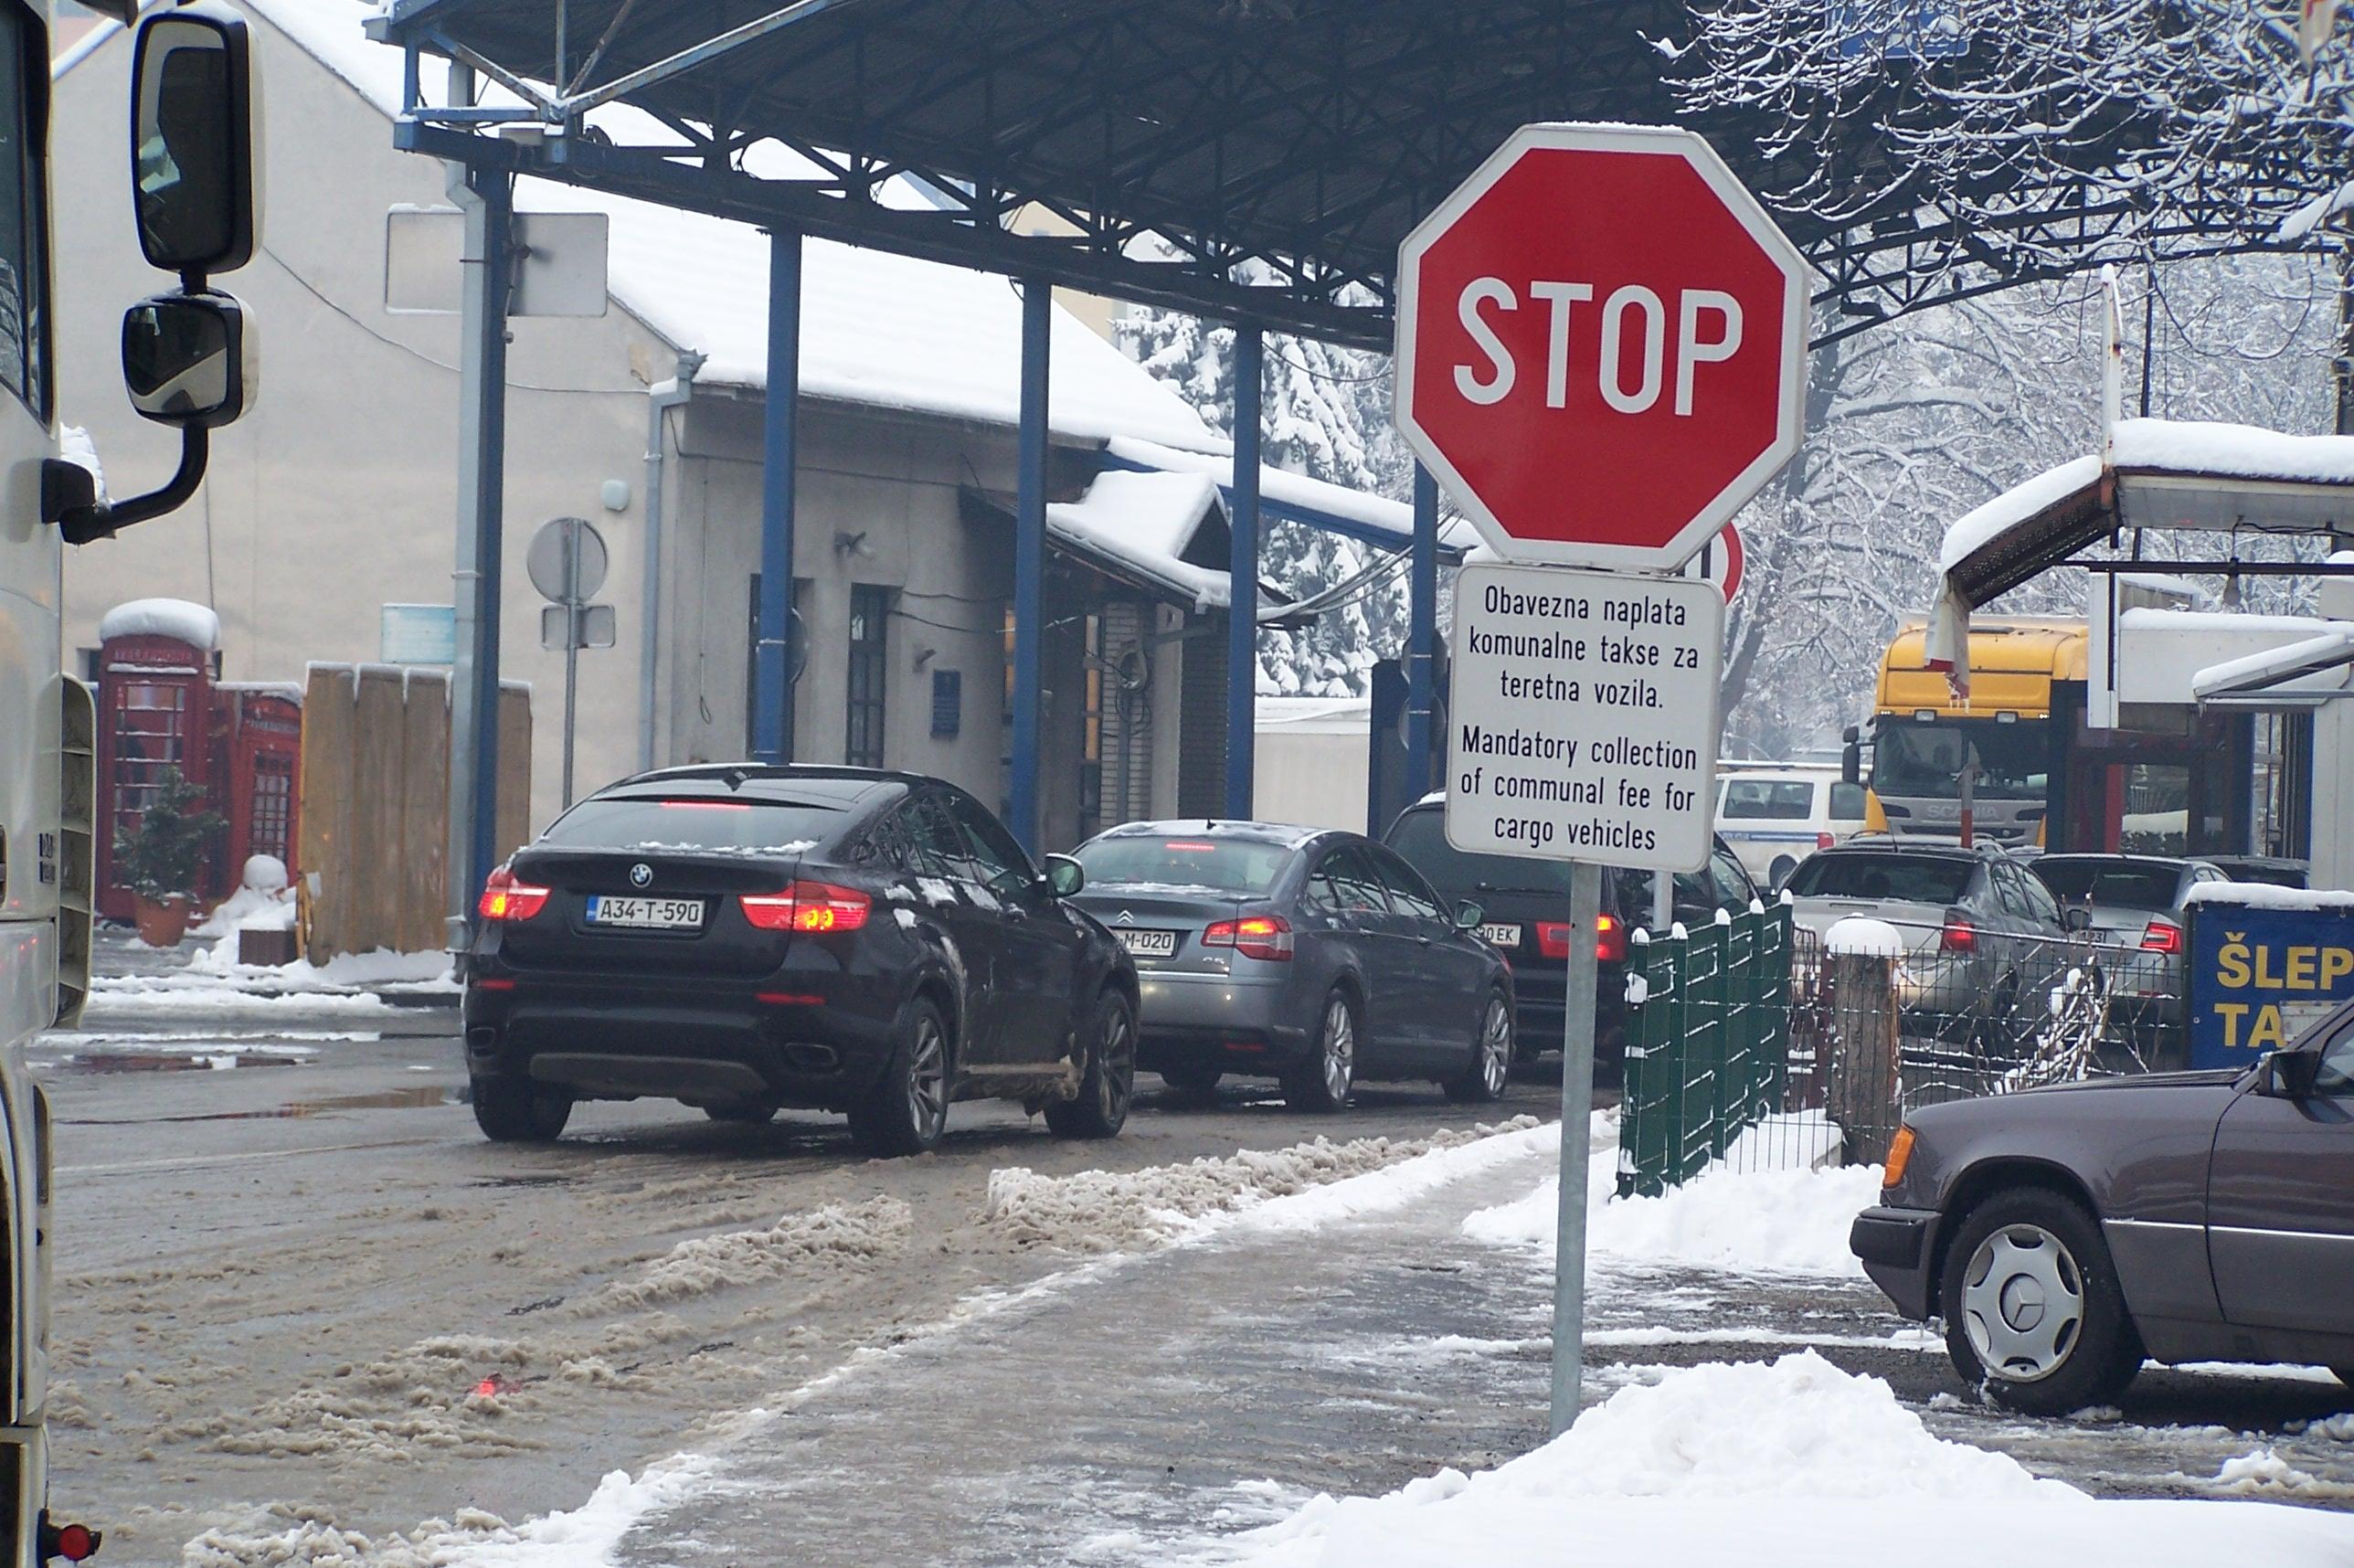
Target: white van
{"points": [[1776, 814]]}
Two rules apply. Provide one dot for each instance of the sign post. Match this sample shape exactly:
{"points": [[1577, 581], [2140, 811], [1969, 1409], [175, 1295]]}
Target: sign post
{"points": [[1601, 353], [567, 564]]}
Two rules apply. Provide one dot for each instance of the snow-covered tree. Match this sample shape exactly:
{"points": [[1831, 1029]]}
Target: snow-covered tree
{"points": [[1326, 416]]}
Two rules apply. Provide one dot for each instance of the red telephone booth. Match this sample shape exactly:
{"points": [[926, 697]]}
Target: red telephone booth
{"points": [[154, 717], [261, 743]]}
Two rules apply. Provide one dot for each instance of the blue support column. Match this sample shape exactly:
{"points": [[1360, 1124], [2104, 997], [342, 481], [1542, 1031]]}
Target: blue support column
{"points": [[1030, 562], [1422, 635], [772, 705], [1242, 577]]}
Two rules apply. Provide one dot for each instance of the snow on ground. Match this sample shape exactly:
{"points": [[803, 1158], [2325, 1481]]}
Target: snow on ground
{"points": [[1791, 1463], [1733, 1215], [1106, 1211]]}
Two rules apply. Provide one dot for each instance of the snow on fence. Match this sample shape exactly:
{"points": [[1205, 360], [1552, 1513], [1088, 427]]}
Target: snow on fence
{"points": [[1753, 1045]]}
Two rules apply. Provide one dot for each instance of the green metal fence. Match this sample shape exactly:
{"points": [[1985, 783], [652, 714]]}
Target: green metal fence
{"points": [[1708, 1044]]}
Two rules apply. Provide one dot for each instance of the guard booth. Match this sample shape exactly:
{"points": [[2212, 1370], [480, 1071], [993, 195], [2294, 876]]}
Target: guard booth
{"points": [[161, 709]]}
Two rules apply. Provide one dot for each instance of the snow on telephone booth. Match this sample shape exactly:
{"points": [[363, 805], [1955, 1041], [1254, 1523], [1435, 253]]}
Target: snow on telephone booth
{"points": [[154, 717], [161, 709]]}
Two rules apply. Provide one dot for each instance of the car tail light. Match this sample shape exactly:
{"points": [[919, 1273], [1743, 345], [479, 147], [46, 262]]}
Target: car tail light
{"points": [[2162, 937], [1252, 936], [504, 898], [1824, 841], [1609, 939], [812, 907], [1959, 936]]}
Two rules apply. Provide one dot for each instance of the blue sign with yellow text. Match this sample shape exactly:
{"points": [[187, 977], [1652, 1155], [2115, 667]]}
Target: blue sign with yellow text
{"points": [[2257, 976]]}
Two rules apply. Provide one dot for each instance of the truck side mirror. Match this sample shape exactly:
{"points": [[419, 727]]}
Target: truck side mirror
{"points": [[1852, 756], [187, 359], [194, 183]]}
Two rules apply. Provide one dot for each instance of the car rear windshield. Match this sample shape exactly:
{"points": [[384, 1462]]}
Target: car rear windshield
{"points": [[695, 826], [2110, 884], [1907, 878], [1421, 838], [1779, 799], [1227, 864]]}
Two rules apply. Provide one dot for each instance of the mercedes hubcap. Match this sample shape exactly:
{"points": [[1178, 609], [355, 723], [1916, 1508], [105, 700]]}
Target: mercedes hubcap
{"points": [[1340, 1049], [2023, 1303], [928, 1075]]}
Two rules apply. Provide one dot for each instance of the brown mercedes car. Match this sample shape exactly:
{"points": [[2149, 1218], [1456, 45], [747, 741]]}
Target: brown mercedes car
{"points": [[2067, 1233]]}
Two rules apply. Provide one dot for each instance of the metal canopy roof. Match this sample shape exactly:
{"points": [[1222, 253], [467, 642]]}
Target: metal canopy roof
{"points": [[1184, 139]]}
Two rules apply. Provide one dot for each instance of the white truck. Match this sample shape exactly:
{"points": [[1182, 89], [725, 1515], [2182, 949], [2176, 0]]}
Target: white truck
{"points": [[185, 362]]}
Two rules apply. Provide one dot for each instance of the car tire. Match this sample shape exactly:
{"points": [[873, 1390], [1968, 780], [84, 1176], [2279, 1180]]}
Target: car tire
{"points": [[1483, 1078], [907, 1111], [1192, 1077], [2029, 1286], [516, 1111], [743, 1113], [1321, 1084], [1107, 1077]]}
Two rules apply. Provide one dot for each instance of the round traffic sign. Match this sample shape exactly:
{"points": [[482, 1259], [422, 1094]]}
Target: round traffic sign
{"points": [[1720, 562], [549, 559], [1601, 345]]}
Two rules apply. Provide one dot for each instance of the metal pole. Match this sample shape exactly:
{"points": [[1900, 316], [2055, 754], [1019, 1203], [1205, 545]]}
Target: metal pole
{"points": [[1241, 579], [485, 197], [1577, 1136], [572, 527], [660, 400], [773, 708], [1030, 558], [1422, 636]]}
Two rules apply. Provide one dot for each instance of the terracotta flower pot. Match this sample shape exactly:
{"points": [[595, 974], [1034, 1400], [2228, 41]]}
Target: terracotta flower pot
{"points": [[163, 921]]}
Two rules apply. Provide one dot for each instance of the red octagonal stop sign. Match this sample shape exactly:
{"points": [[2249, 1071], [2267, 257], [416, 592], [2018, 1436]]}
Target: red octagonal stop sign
{"points": [[1601, 345]]}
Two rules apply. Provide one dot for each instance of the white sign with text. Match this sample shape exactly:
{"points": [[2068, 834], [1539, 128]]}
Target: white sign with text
{"points": [[1584, 714]]}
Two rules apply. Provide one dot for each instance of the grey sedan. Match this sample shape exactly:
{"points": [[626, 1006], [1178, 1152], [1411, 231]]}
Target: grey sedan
{"points": [[1313, 957], [2065, 1233]]}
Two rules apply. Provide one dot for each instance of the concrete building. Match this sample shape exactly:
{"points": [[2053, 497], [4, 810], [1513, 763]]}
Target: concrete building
{"points": [[335, 498]]}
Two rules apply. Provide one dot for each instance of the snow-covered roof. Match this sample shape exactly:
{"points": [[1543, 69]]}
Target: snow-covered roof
{"points": [[1280, 491], [2269, 669], [878, 330], [191, 623], [1971, 532], [1143, 523], [2266, 895]]}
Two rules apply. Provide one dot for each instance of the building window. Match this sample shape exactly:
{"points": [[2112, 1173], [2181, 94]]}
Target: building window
{"points": [[1091, 821], [870, 616]]}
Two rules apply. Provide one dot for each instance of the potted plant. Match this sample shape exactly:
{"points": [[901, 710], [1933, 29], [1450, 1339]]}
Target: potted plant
{"points": [[161, 858]]}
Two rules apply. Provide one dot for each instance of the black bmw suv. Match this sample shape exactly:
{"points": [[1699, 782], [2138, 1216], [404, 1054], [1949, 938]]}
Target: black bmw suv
{"points": [[744, 939]]}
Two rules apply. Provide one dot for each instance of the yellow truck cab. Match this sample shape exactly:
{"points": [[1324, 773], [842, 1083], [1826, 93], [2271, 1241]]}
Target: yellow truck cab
{"points": [[1923, 737]]}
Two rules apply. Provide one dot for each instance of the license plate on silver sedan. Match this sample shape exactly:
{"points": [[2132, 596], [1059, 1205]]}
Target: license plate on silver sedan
{"points": [[1501, 935], [646, 914], [1149, 944]]}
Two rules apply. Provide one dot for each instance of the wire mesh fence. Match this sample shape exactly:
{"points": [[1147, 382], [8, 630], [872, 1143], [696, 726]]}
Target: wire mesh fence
{"points": [[1753, 1043]]}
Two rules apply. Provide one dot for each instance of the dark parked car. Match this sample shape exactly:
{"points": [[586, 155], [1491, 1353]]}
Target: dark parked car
{"points": [[2065, 1233], [1318, 957], [2278, 870], [1525, 913], [1983, 939], [2136, 903], [746, 937]]}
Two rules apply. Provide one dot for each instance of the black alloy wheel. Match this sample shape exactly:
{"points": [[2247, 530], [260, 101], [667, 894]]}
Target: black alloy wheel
{"points": [[906, 1112]]}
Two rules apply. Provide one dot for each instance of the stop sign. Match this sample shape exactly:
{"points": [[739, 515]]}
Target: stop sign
{"points": [[1601, 345]]}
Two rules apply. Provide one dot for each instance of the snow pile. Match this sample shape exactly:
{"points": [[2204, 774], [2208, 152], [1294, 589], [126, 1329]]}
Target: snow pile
{"points": [[1861, 937], [1107, 1211], [246, 909], [2267, 895], [855, 1233], [1787, 1220], [191, 623], [1782, 1466]]}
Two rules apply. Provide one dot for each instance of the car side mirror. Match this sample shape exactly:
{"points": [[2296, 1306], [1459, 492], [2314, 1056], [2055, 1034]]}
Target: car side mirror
{"points": [[2078, 918], [193, 178], [1065, 876], [2288, 1074], [188, 359], [1469, 915]]}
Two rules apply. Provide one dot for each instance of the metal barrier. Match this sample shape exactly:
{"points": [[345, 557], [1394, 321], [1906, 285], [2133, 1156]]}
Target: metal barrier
{"points": [[1754, 1044]]}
